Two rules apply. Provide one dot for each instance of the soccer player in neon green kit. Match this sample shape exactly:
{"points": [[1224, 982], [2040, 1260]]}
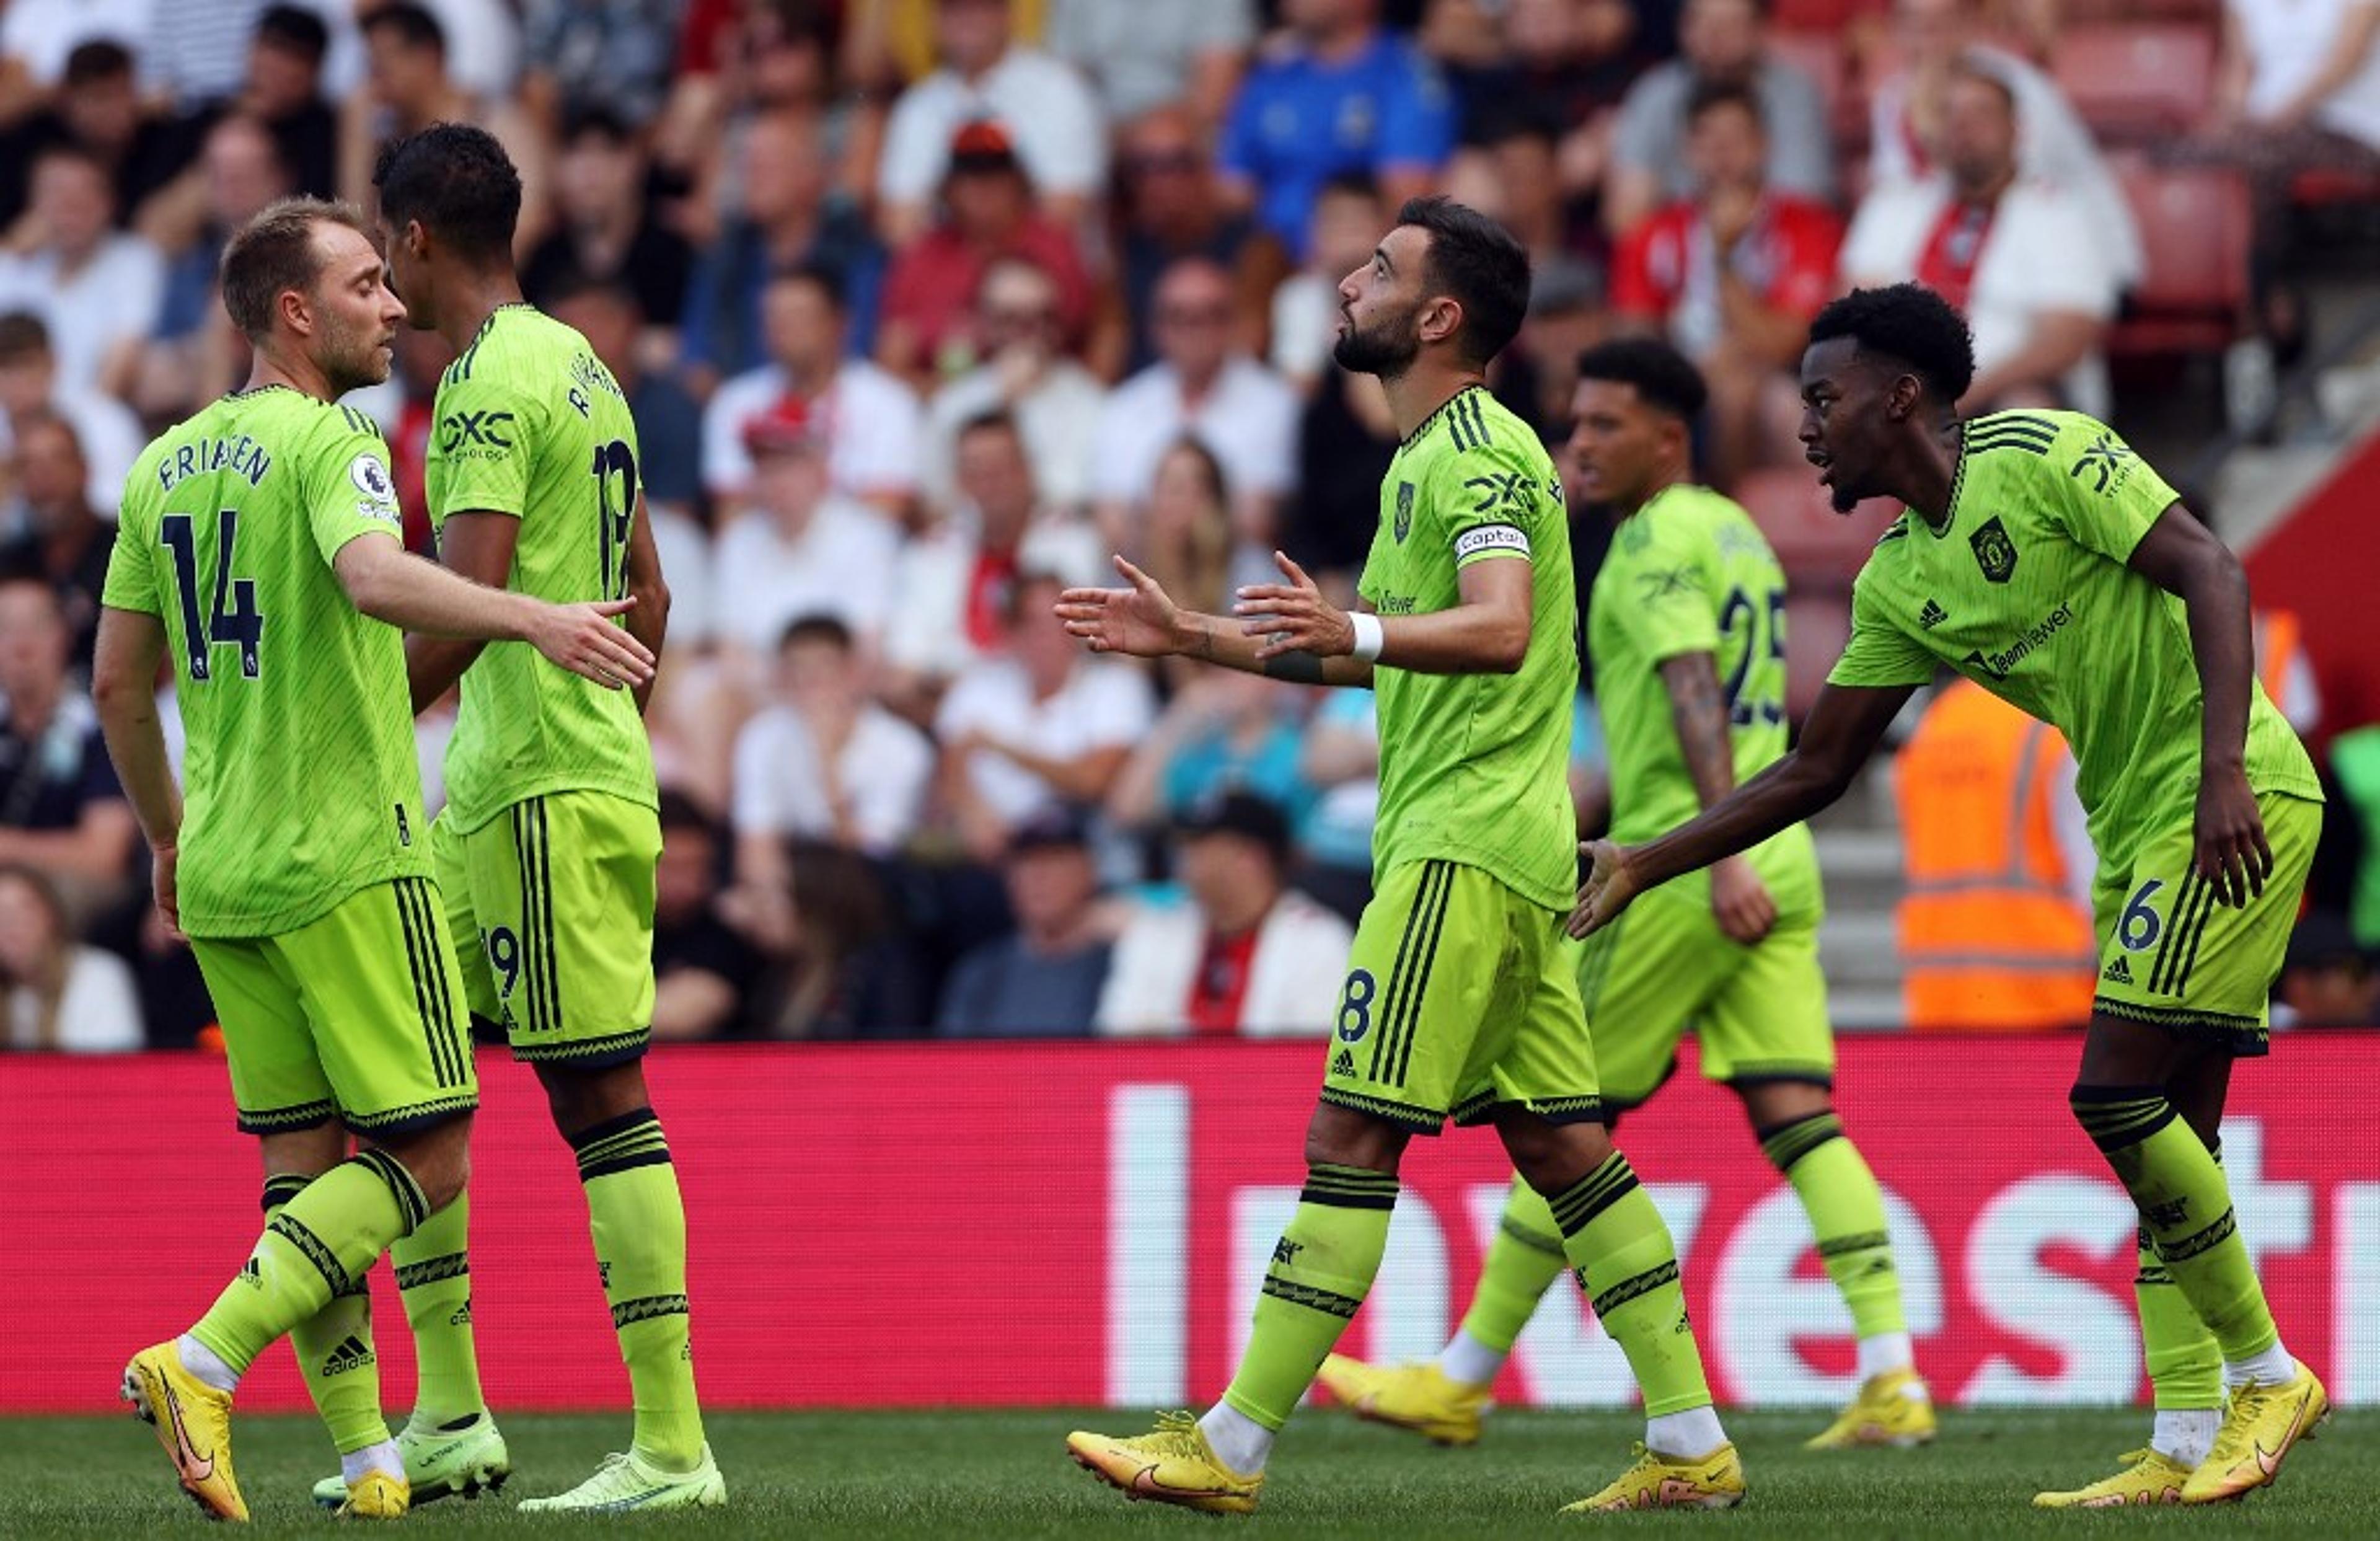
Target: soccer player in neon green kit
{"points": [[1461, 998], [260, 547], [2039, 556], [1686, 634]]}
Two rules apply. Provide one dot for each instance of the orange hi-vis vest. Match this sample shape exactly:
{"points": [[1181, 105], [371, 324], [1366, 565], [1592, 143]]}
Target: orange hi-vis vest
{"points": [[1992, 940]]}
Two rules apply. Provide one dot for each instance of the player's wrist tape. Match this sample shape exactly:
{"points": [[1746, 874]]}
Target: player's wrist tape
{"points": [[1370, 637]]}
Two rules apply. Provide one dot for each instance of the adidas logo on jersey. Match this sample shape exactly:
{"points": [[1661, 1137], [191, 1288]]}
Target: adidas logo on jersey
{"points": [[1932, 615], [2118, 973], [352, 1354], [1344, 1064]]}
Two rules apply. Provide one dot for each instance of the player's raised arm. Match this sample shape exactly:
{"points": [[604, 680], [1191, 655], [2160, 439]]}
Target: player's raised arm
{"points": [[130, 649], [390, 584], [1844, 727], [2179, 556], [1144, 621]]}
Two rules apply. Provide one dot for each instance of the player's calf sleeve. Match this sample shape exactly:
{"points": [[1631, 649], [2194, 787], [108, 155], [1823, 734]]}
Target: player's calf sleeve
{"points": [[1846, 1210], [317, 1247], [2186, 1209], [1523, 1262], [638, 1222], [333, 1348], [433, 1275], [1321, 1269], [1621, 1250]]}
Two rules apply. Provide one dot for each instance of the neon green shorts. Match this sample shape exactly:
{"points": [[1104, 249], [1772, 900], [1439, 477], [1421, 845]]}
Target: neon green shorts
{"points": [[356, 1015], [1664, 970], [1461, 996], [2171, 955], [559, 892]]}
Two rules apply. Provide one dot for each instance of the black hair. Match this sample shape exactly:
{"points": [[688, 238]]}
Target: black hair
{"points": [[599, 118], [1353, 183], [296, 29], [992, 419], [814, 625], [457, 180], [1663, 377], [1910, 325], [826, 276], [417, 25], [1507, 118], [1709, 96], [99, 59], [680, 811], [1477, 262]]}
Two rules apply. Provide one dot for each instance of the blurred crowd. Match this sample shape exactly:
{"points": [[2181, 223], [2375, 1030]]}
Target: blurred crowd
{"points": [[925, 306]]}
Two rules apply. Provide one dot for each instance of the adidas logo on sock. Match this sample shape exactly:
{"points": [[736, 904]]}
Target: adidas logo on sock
{"points": [[352, 1354], [462, 1318], [2118, 972], [251, 1273], [1344, 1064]]}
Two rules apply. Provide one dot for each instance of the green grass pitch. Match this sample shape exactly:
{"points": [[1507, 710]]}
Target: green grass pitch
{"points": [[882, 1475]]}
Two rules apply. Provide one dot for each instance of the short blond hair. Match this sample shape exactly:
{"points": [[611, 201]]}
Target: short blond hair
{"points": [[275, 252]]}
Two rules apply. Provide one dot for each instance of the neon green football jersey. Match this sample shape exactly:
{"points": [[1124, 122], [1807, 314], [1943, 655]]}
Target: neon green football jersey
{"points": [[1690, 573], [301, 786], [532, 426], [2025, 590], [1475, 769]]}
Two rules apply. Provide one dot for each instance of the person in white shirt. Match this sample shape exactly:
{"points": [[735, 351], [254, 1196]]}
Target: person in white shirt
{"points": [[1202, 383], [96, 289], [804, 549], [1246, 957], [2020, 258], [1041, 723], [1056, 401], [1051, 116], [56, 994], [105, 428], [870, 419], [823, 763]]}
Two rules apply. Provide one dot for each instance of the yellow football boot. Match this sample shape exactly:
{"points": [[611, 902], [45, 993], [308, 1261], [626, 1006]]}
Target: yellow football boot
{"points": [[1415, 1397], [193, 1421], [1174, 1464], [2259, 1427], [1891, 1409], [2147, 1478], [1713, 1481], [376, 1495]]}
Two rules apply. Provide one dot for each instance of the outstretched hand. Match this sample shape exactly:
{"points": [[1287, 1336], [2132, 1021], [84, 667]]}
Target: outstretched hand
{"points": [[1294, 617], [583, 640], [1610, 884], [1142, 620]]}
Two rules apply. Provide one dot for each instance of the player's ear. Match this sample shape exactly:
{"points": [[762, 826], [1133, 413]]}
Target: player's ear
{"points": [[1901, 396], [297, 311], [1440, 318]]}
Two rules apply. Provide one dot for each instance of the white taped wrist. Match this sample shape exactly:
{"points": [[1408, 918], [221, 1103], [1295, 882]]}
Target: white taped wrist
{"points": [[1370, 637]]}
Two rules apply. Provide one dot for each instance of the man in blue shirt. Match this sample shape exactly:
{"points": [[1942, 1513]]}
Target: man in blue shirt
{"points": [[1346, 95]]}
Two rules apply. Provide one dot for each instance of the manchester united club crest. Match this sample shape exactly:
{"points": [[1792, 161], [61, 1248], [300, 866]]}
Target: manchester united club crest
{"points": [[1995, 552], [1405, 510]]}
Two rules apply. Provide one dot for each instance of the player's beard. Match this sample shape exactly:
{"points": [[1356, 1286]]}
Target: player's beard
{"points": [[352, 357], [1387, 349]]}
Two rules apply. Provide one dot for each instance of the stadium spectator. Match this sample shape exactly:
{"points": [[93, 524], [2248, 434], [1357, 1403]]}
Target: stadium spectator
{"points": [[606, 229], [63, 542], [1340, 92], [194, 353], [283, 88], [1152, 52], [1185, 530], [2328, 980], [96, 289], [611, 54], [1563, 64], [416, 74], [925, 331], [2023, 258], [1345, 439], [56, 994], [1909, 106], [1038, 724], [703, 971], [871, 420], [1201, 383], [1019, 329], [36, 37], [823, 762], [1174, 207], [950, 594], [1995, 926], [806, 548], [784, 220], [1247, 955], [1341, 761], [1221, 732], [1041, 106], [1731, 276], [104, 427], [1347, 219], [1043, 979], [60, 807], [1722, 41], [97, 109]]}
